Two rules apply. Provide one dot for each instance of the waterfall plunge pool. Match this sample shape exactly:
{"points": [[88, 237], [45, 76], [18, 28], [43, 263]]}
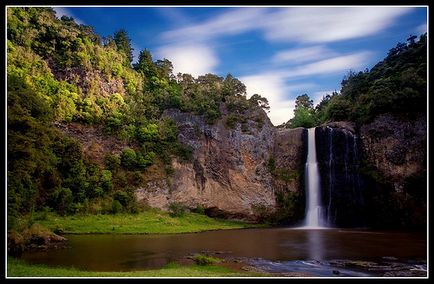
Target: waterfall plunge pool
{"points": [[271, 247]]}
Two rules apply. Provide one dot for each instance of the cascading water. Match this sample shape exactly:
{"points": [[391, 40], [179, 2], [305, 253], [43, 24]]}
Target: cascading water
{"points": [[338, 158], [313, 205]]}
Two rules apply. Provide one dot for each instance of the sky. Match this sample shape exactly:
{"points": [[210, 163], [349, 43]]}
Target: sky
{"points": [[277, 52]]}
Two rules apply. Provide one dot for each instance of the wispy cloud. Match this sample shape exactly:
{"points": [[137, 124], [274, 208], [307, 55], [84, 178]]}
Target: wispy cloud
{"points": [[331, 65], [300, 55], [61, 11], [315, 25], [294, 24], [421, 29], [196, 59], [232, 22], [174, 15]]}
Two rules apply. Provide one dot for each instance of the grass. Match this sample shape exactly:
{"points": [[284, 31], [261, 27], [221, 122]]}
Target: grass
{"points": [[18, 268], [205, 260], [148, 222]]}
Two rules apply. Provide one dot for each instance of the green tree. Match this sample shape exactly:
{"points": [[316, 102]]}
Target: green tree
{"points": [[304, 114], [145, 64], [123, 43], [303, 101], [262, 102]]}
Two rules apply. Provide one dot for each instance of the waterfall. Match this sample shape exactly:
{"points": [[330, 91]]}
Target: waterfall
{"points": [[312, 182], [331, 175], [338, 158]]}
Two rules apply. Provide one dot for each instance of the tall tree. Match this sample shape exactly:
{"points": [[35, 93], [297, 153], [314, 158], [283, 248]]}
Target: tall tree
{"points": [[303, 101], [123, 43], [304, 114], [145, 64]]}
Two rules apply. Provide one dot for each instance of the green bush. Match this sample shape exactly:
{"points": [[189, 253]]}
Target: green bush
{"points": [[116, 207], [128, 158], [112, 162], [200, 259], [231, 121], [199, 209], [177, 209], [123, 198]]}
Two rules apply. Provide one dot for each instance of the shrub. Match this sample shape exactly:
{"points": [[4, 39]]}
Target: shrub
{"points": [[271, 164], [122, 197], [128, 158], [177, 209], [116, 207], [199, 209], [205, 260], [231, 121], [106, 180], [112, 162]]}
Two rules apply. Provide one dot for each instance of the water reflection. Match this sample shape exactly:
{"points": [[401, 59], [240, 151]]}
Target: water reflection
{"points": [[315, 245]]}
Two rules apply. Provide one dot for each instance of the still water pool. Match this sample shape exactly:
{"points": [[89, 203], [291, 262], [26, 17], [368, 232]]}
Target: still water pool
{"points": [[139, 252]]}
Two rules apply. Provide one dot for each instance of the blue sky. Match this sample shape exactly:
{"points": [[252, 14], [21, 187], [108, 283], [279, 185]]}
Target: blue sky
{"points": [[277, 52]]}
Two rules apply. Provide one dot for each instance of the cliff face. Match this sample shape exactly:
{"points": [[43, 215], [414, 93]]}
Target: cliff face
{"points": [[374, 175], [229, 174], [396, 147], [395, 152]]}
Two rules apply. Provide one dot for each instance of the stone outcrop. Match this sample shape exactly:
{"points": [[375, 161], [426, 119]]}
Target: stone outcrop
{"points": [[229, 175], [396, 147]]}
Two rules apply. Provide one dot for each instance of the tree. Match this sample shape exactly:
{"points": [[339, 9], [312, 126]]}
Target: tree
{"points": [[145, 64], [262, 102], [123, 43], [303, 101], [304, 114], [233, 86]]}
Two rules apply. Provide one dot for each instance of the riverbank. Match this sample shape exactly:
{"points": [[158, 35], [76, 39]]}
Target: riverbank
{"points": [[147, 222], [18, 268]]}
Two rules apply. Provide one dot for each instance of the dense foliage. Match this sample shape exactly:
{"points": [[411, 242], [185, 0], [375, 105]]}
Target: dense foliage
{"points": [[395, 85], [60, 72]]}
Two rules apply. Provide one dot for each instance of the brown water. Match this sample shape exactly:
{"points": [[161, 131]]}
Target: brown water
{"points": [[138, 252]]}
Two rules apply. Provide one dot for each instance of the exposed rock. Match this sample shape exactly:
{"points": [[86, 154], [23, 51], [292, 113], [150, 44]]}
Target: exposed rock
{"points": [[396, 147], [96, 144], [229, 174], [347, 125]]}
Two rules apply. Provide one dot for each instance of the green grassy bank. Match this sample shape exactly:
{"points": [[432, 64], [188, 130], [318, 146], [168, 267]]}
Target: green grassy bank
{"points": [[18, 268], [147, 222]]}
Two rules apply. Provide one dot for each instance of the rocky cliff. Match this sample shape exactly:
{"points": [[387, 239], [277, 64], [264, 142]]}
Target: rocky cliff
{"points": [[374, 175], [240, 172], [395, 150]]}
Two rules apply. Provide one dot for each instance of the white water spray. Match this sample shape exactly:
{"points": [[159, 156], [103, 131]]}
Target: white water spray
{"points": [[313, 205]]}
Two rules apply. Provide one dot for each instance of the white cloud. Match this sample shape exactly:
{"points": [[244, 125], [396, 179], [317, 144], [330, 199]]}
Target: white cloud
{"points": [[421, 29], [229, 23], [313, 25], [301, 55], [332, 65], [294, 24], [60, 11], [192, 59], [278, 93]]}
